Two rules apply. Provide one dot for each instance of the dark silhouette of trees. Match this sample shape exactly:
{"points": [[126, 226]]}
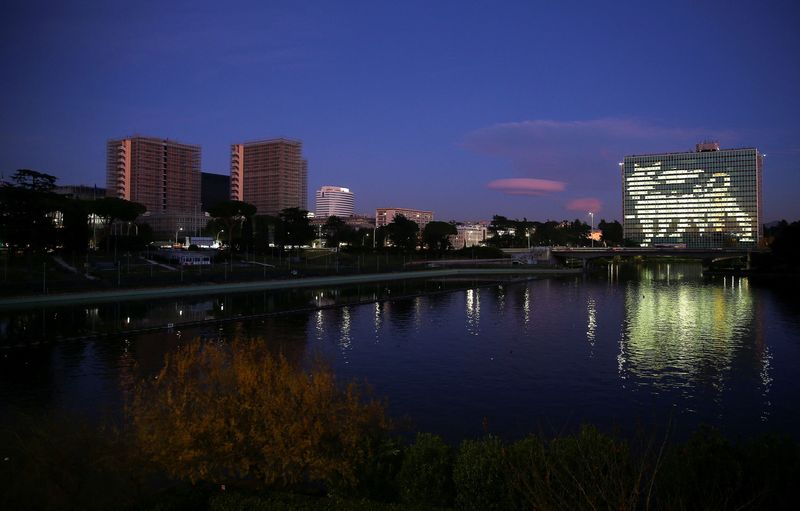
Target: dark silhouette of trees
{"points": [[232, 213], [786, 243], [75, 231], [436, 235], [507, 233], [113, 209], [612, 232], [403, 233], [336, 231], [28, 208], [294, 229]]}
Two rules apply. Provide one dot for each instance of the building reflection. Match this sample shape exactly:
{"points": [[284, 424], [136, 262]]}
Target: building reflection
{"points": [[591, 321], [472, 303], [696, 333]]}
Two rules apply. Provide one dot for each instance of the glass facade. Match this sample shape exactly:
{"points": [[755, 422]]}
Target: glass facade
{"points": [[709, 198]]}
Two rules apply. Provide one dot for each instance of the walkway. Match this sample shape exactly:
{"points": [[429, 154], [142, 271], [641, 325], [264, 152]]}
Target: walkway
{"points": [[262, 285], [71, 268]]}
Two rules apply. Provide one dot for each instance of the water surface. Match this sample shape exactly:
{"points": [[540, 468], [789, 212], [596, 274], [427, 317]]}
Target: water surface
{"points": [[637, 347]]}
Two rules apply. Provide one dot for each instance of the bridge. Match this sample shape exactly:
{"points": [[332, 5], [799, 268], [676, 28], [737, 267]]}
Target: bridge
{"points": [[587, 254]]}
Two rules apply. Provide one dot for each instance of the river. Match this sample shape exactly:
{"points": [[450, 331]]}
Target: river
{"points": [[634, 348]]}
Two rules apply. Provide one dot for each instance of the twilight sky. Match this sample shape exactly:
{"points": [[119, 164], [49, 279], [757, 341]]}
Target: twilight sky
{"points": [[468, 108]]}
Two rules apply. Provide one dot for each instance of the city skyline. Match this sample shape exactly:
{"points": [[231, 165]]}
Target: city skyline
{"points": [[523, 112]]}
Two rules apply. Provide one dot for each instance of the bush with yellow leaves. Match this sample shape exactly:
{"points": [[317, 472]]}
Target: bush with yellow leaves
{"points": [[234, 413]]}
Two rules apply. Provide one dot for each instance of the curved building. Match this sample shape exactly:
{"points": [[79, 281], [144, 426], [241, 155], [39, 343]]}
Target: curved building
{"points": [[334, 201]]}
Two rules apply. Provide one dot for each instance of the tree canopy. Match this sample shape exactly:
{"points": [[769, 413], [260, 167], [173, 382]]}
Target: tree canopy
{"points": [[403, 233], [612, 232], [112, 209], [232, 213], [336, 231], [295, 229], [436, 235], [27, 211]]}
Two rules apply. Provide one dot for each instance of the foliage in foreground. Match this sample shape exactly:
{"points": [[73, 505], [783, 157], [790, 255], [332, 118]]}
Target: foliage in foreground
{"points": [[235, 414], [276, 437]]}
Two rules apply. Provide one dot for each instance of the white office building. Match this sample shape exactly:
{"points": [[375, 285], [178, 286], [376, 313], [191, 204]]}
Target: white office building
{"points": [[334, 201]]}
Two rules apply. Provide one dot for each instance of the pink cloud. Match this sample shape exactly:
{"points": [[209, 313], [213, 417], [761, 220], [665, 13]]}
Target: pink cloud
{"points": [[526, 186], [585, 204]]}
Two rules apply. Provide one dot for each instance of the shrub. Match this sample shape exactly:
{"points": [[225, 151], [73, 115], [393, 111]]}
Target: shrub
{"points": [[426, 476], [589, 470], [237, 414], [479, 476], [704, 473], [62, 462], [772, 469]]}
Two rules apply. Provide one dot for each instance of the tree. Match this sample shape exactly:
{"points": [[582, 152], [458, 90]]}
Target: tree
{"points": [[27, 211], [612, 232], [336, 231], [75, 232], [232, 213], [111, 209], [403, 233], [502, 232], [786, 243], [34, 181], [436, 235], [507, 233], [295, 228]]}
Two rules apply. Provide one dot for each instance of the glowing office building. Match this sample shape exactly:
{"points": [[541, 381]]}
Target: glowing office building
{"points": [[709, 198]]}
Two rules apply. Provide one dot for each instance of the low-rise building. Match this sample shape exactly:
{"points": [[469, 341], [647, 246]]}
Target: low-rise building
{"points": [[468, 235], [385, 216]]}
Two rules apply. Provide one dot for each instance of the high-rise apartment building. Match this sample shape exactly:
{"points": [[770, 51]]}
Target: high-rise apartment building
{"points": [[270, 174], [162, 174], [384, 216], [334, 201], [709, 198]]}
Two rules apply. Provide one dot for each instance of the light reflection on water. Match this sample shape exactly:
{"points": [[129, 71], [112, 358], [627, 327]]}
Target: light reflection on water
{"points": [[675, 334], [651, 344], [473, 308]]}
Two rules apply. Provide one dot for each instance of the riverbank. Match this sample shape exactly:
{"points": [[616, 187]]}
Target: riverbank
{"points": [[113, 295], [181, 439]]}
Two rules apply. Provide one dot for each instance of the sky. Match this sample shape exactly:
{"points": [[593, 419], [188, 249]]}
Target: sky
{"points": [[467, 108]]}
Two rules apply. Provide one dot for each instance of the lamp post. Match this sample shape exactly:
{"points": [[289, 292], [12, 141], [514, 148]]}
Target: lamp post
{"points": [[528, 235], [591, 233], [217, 236], [176, 234]]}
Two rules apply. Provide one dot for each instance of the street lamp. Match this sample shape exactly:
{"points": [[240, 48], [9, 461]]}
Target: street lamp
{"points": [[528, 235], [591, 233], [176, 234], [217, 236]]}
